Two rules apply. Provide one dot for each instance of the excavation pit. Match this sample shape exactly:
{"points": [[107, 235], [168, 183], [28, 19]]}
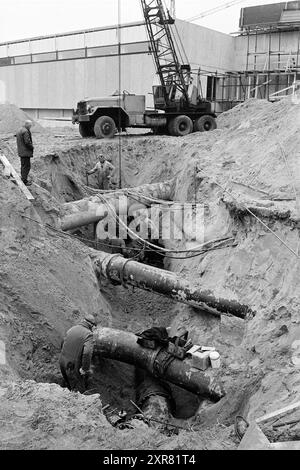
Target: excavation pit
{"points": [[47, 282]]}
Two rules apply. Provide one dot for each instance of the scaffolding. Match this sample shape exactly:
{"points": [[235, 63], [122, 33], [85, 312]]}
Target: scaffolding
{"points": [[272, 67]]}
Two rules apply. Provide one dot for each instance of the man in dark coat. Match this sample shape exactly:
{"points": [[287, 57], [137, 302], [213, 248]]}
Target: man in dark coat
{"points": [[25, 150], [76, 354]]}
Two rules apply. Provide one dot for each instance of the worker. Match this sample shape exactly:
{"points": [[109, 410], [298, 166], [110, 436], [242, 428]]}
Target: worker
{"points": [[25, 150], [76, 354], [105, 172]]}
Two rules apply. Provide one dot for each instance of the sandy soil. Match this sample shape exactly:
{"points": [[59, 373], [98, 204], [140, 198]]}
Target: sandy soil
{"points": [[47, 281]]}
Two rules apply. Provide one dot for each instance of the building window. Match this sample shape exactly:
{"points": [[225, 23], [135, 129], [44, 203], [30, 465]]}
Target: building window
{"points": [[5, 61], [71, 54], [44, 57], [102, 51], [134, 48], [22, 59]]}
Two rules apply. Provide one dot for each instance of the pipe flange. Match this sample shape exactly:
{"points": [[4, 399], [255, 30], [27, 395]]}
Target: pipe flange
{"points": [[123, 281], [160, 365], [102, 268]]}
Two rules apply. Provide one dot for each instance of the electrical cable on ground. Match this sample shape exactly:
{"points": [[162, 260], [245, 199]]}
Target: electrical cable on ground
{"points": [[157, 420], [149, 198], [165, 250], [139, 251], [253, 215]]}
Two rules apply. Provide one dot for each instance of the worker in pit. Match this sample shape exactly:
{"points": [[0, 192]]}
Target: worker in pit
{"points": [[76, 354], [25, 150], [105, 171]]}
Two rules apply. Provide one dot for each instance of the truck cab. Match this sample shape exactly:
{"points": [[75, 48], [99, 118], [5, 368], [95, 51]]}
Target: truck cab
{"points": [[103, 116]]}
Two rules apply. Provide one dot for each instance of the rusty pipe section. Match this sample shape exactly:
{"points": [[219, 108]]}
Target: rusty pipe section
{"points": [[122, 346], [119, 270], [73, 221]]}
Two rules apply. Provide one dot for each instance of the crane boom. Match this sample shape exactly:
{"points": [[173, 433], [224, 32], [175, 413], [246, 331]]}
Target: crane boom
{"points": [[173, 8], [174, 77]]}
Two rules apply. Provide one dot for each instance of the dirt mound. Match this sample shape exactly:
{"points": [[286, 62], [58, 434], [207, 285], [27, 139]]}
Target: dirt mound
{"points": [[244, 113], [46, 416], [40, 297], [57, 419], [12, 118]]}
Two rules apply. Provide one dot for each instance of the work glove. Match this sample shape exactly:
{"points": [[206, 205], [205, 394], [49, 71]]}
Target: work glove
{"points": [[84, 373]]}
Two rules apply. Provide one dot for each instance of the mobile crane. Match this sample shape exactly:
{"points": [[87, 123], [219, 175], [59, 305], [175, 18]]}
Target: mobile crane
{"points": [[179, 108]]}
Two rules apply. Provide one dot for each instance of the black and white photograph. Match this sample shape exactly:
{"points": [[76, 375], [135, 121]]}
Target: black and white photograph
{"points": [[149, 229]]}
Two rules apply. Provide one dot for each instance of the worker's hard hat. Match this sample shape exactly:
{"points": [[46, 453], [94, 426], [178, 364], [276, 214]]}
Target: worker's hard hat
{"points": [[91, 319]]}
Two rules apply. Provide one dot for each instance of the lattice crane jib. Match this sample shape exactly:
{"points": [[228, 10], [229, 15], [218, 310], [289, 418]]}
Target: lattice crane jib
{"points": [[174, 76]]}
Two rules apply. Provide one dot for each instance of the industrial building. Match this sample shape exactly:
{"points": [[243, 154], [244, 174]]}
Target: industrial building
{"points": [[46, 76]]}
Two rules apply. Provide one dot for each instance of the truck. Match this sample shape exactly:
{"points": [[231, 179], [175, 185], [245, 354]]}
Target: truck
{"points": [[179, 107]]}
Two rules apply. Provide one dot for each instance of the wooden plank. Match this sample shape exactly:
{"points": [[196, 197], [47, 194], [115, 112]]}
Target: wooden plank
{"points": [[8, 166], [287, 445], [254, 439], [250, 187], [274, 414]]}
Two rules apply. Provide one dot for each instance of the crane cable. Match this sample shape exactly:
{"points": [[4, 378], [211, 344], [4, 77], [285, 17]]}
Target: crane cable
{"points": [[181, 51], [119, 86], [211, 11]]}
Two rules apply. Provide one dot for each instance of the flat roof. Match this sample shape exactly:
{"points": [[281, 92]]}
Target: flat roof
{"points": [[73, 33]]}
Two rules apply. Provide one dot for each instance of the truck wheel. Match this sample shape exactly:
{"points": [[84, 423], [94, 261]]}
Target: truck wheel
{"points": [[105, 127], [180, 126], [205, 124], [85, 130]]}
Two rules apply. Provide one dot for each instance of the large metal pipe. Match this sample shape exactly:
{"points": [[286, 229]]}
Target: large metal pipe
{"points": [[93, 209], [122, 346], [80, 219], [120, 270]]}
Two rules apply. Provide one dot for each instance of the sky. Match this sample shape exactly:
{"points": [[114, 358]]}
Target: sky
{"points": [[20, 19]]}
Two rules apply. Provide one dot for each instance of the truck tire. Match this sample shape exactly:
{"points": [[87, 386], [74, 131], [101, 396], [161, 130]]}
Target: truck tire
{"points": [[180, 126], [105, 127], [85, 130], [205, 124]]}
